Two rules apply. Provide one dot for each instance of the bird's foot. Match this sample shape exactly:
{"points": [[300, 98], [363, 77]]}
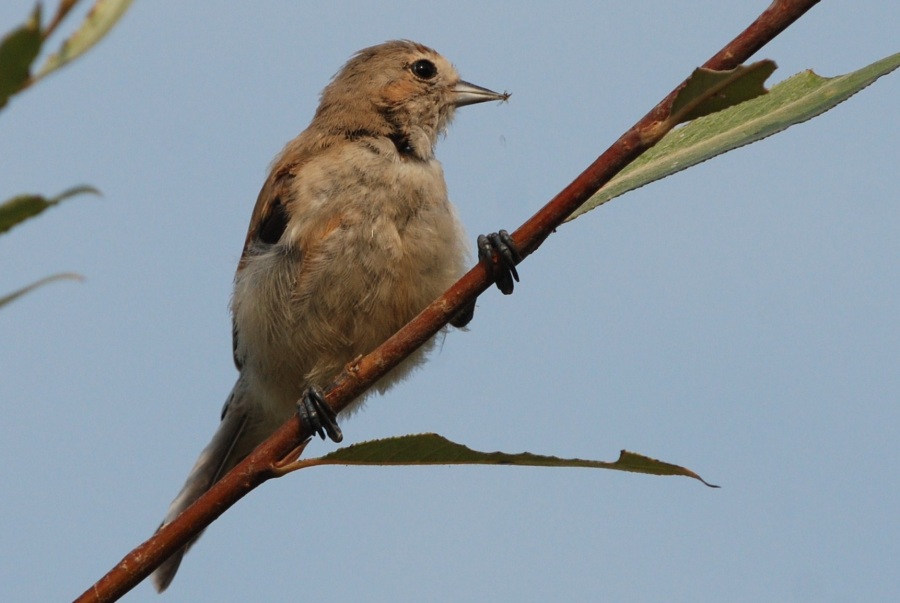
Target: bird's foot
{"points": [[504, 269], [464, 316], [315, 413]]}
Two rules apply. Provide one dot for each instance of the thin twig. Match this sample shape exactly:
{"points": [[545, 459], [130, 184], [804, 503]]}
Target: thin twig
{"points": [[64, 7], [361, 374]]}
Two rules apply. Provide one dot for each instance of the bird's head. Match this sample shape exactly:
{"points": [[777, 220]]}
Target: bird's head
{"points": [[398, 88]]}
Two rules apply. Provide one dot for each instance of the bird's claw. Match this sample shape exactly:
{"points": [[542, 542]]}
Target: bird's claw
{"points": [[315, 413], [464, 316], [504, 269]]}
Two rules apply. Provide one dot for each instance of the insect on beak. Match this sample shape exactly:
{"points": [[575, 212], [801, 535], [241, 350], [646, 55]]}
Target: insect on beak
{"points": [[470, 94]]}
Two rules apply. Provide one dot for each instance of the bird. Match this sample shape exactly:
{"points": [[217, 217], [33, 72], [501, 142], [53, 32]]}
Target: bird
{"points": [[352, 235]]}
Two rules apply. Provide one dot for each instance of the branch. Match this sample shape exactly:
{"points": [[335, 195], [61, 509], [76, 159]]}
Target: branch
{"points": [[64, 7], [361, 374]]}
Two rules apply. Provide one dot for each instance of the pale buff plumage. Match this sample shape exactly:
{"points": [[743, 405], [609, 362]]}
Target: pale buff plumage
{"points": [[352, 235]]}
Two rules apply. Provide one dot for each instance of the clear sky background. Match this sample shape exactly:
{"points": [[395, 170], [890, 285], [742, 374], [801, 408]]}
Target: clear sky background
{"points": [[740, 318]]}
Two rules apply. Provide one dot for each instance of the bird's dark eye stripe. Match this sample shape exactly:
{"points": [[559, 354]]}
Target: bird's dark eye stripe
{"points": [[424, 69]]}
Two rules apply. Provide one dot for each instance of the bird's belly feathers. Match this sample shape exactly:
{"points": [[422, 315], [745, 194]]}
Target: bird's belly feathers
{"points": [[305, 313]]}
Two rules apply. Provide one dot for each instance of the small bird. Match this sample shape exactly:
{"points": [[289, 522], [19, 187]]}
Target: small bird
{"points": [[351, 237]]}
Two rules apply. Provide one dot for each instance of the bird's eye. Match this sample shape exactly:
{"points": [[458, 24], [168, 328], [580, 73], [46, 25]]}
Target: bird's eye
{"points": [[424, 69]]}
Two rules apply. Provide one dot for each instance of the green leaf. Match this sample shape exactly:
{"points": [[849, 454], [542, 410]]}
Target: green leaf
{"points": [[793, 101], [102, 16], [708, 91], [432, 449], [56, 277], [20, 208], [18, 49]]}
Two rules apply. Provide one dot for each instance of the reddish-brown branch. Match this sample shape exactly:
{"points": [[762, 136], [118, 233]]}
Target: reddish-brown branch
{"points": [[361, 374]]}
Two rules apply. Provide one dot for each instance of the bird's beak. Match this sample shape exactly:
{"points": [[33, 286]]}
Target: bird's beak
{"points": [[470, 94]]}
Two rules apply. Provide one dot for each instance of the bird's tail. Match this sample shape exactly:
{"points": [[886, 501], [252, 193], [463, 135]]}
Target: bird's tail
{"points": [[228, 447]]}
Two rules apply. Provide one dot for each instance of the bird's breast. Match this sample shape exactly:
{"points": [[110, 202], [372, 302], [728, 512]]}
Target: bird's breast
{"points": [[369, 244]]}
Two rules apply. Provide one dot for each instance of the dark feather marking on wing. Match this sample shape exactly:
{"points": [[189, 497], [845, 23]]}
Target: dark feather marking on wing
{"points": [[273, 224], [238, 361]]}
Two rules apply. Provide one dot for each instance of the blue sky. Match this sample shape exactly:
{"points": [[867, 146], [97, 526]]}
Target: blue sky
{"points": [[739, 318]]}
